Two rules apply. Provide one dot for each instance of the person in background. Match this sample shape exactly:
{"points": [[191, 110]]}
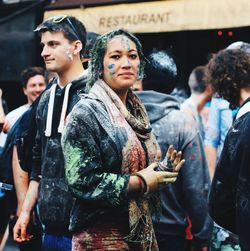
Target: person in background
{"points": [[110, 153], [3, 103], [15, 171], [220, 120], [221, 117], [91, 38], [2, 113], [229, 73], [201, 93], [172, 126], [33, 83], [180, 93], [4, 211], [4, 125], [63, 39], [10, 161]]}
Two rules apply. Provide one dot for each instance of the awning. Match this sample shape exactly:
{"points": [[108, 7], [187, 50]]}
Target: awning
{"points": [[163, 16]]}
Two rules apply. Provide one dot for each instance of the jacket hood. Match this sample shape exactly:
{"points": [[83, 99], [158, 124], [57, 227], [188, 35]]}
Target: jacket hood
{"points": [[158, 104], [75, 87], [79, 84]]}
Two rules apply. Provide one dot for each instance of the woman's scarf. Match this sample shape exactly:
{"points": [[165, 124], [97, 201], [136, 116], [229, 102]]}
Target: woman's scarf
{"points": [[140, 150]]}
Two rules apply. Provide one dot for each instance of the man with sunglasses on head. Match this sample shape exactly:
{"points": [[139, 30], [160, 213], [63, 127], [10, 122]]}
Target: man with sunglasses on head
{"points": [[63, 39]]}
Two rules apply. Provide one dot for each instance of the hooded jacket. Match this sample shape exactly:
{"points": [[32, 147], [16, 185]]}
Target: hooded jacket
{"points": [[188, 195], [54, 198]]}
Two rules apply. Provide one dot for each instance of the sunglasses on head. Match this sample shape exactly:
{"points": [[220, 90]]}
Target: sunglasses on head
{"points": [[60, 18]]}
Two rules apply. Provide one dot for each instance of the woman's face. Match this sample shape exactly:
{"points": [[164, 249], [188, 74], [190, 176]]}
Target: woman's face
{"points": [[121, 64]]}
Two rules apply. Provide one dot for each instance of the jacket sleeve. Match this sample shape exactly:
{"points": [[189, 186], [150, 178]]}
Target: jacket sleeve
{"points": [[222, 206], [88, 179], [37, 149], [195, 185]]}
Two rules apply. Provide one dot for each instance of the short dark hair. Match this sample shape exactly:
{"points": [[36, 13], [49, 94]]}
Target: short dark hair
{"points": [[98, 51], [71, 27], [30, 72], [91, 39], [196, 81], [160, 72], [228, 71]]}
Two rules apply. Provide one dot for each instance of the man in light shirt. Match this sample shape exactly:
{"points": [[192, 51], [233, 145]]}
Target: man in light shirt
{"points": [[33, 83]]}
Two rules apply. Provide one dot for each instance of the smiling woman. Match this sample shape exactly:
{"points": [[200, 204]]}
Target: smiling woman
{"points": [[110, 153]]}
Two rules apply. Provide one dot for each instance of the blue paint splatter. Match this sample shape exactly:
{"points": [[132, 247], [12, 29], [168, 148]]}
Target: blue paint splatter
{"points": [[110, 66], [129, 62]]}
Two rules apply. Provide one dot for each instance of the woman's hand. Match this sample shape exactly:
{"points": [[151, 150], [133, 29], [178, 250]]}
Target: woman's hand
{"points": [[153, 177], [172, 161]]}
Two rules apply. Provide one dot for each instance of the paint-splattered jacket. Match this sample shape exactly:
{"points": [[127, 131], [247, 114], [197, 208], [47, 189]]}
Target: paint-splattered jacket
{"points": [[229, 199], [54, 199], [188, 195], [93, 147]]}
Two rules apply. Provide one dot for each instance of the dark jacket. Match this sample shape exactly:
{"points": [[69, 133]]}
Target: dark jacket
{"points": [[188, 195], [25, 136], [230, 191], [16, 136], [96, 145], [6, 175], [54, 198], [97, 192]]}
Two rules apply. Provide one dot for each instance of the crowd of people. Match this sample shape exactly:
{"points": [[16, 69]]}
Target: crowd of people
{"points": [[104, 157]]}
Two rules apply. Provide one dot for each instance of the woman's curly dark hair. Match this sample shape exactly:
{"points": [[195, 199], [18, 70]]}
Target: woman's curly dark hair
{"points": [[228, 71], [98, 51]]}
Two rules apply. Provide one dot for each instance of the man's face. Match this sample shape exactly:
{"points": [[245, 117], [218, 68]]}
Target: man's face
{"points": [[35, 86], [57, 51]]}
